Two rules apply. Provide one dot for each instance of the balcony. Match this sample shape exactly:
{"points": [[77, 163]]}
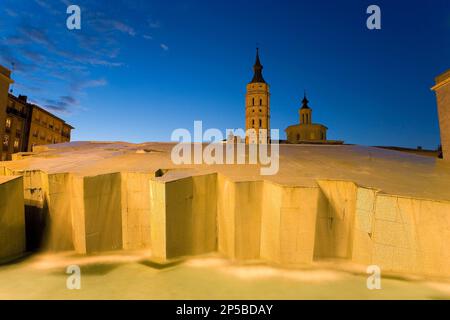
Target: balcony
{"points": [[16, 112]]}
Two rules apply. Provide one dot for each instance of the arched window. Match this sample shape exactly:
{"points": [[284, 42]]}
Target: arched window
{"points": [[303, 118], [253, 122], [253, 101], [260, 102], [260, 123]]}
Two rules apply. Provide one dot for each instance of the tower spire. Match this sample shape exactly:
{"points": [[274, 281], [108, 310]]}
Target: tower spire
{"points": [[305, 101], [257, 69]]}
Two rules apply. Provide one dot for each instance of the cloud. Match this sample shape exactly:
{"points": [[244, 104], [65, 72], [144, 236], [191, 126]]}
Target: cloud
{"points": [[32, 55], [122, 27], [96, 83], [90, 84], [64, 104], [154, 24], [105, 25], [11, 12], [36, 35], [47, 6], [147, 37], [13, 41], [164, 47]]}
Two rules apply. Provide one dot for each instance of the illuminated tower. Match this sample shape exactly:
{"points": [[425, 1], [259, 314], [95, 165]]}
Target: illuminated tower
{"points": [[257, 104]]}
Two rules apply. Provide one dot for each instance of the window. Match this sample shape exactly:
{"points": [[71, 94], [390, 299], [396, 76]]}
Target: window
{"points": [[260, 102], [253, 101], [260, 123], [298, 137], [5, 142], [8, 123], [16, 145], [35, 133]]}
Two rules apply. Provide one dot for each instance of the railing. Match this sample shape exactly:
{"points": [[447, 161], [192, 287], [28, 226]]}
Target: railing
{"points": [[11, 110]]}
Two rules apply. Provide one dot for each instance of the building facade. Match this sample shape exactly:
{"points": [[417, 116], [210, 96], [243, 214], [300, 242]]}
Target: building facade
{"points": [[257, 106], [5, 81], [15, 134], [24, 125], [306, 131], [46, 128], [442, 90]]}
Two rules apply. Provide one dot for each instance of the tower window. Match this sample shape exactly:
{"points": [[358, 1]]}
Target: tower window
{"points": [[253, 101], [260, 122], [253, 122], [260, 102]]}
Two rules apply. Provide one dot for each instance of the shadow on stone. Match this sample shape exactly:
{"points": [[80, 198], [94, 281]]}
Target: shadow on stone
{"points": [[36, 220]]}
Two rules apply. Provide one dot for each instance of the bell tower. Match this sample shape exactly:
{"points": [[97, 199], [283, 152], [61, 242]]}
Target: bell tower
{"points": [[305, 112], [257, 105]]}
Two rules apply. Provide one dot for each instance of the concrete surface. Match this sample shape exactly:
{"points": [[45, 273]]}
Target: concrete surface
{"points": [[364, 205]]}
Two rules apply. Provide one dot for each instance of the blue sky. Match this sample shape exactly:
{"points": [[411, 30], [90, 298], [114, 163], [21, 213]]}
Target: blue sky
{"points": [[139, 69]]}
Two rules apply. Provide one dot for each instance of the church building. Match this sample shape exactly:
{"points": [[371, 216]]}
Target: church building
{"points": [[306, 131]]}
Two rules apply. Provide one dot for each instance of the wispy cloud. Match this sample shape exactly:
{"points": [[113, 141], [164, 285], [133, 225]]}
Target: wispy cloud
{"points": [[11, 12], [64, 104], [154, 24], [105, 25], [44, 4], [58, 65], [94, 83]]}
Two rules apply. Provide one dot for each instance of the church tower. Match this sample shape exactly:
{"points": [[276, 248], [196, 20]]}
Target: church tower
{"points": [[305, 112], [257, 105]]}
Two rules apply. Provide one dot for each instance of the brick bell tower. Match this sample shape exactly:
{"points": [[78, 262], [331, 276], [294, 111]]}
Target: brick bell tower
{"points": [[257, 105]]}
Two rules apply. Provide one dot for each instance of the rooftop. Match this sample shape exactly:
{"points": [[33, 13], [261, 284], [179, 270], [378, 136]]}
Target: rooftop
{"points": [[390, 171]]}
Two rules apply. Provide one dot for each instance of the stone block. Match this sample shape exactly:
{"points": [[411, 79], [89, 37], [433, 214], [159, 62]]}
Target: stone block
{"points": [[12, 217]]}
